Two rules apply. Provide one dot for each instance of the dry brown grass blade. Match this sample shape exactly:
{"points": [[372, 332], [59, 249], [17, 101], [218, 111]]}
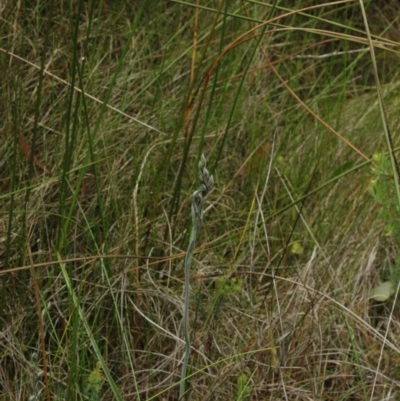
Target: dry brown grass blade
{"points": [[27, 153]]}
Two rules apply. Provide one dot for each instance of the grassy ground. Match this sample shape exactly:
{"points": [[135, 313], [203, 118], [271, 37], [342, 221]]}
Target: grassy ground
{"points": [[106, 109]]}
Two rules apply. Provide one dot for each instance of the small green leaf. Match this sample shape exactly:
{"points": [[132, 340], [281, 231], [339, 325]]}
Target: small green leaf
{"points": [[382, 292], [296, 248]]}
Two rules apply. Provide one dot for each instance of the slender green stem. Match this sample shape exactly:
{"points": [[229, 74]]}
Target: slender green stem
{"points": [[207, 183]]}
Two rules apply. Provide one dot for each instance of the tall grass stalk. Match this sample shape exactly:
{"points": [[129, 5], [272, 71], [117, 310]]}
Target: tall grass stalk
{"points": [[207, 183]]}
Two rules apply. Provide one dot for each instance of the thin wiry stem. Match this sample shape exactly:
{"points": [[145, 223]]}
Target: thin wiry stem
{"points": [[207, 183]]}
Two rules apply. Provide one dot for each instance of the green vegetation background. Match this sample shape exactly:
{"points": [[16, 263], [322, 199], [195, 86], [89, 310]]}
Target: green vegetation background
{"points": [[106, 109]]}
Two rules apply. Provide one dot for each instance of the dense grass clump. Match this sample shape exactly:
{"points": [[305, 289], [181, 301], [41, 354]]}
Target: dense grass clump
{"points": [[107, 108]]}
